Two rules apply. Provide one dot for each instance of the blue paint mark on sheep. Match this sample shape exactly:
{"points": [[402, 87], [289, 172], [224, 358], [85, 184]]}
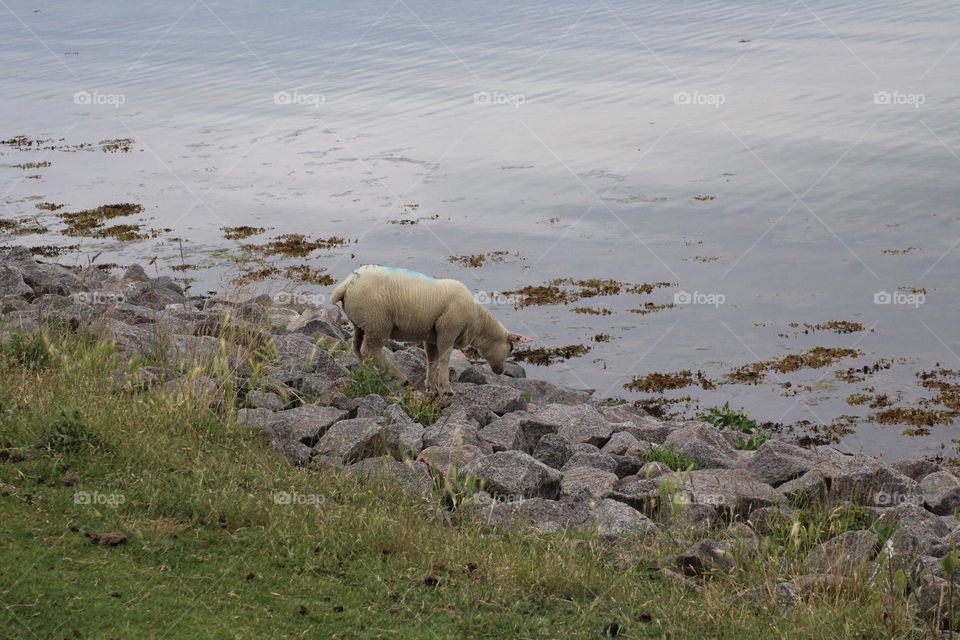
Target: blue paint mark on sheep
{"points": [[409, 272]]}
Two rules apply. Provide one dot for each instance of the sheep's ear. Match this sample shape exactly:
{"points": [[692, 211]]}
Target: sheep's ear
{"points": [[516, 338]]}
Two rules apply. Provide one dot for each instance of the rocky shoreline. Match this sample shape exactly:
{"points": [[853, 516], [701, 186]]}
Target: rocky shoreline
{"points": [[517, 452]]}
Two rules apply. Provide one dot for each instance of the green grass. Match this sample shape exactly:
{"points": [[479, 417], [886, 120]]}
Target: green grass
{"points": [[423, 409], [212, 552], [752, 435], [369, 378], [676, 459]]}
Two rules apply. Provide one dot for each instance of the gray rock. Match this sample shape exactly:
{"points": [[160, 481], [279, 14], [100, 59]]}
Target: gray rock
{"points": [[941, 492], [916, 468], [614, 520], [732, 491], [454, 431], [476, 374], [480, 400], [412, 363], [845, 554], [554, 450], [543, 392], [296, 452], [155, 294], [704, 557], [776, 462], [265, 400], [537, 514], [865, 481], [13, 284], [643, 427], [409, 476], [918, 533], [621, 442], [204, 390], [511, 475], [653, 470], [809, 489], [350, 441], [371, 406], [704, 444], [595, 460], [514, 370], [515, 431], [588, 483], [627, 465], [933, 599], [319, 328], [765, 520], [307, 423], [448, 460], [578, 423]]}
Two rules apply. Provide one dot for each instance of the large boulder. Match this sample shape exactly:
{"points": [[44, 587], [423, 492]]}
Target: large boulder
{"points": [[704, 444], [350, 441], [845, 554], [518, 430], [307, 423], [13, 284], [776, 462], [704, 557], [448, 460], [614, 519], [538, 514], [409, 476], [412, 363], [454, 431], [595, 460], [941, 492], [623, 442], [543, 392], [480, 400], [512, 475], [587, 482], [577, 423], [554, 450], [733, 492]]}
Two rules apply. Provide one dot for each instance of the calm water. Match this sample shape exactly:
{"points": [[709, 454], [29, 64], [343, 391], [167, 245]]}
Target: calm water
{"points": [[576, 134]]}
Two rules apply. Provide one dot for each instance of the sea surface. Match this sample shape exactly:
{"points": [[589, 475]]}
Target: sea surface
{"points": [[773, 164]]}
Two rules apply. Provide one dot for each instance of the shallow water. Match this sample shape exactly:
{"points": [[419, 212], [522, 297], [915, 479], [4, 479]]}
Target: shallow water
{"points": [[575, 134]]}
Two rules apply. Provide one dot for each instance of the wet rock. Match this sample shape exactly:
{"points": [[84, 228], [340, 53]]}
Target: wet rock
{"points": [[481, 400], [554, 450], [587, 483], [777, 462], [614, 520], [514, 475], [704, 557], [621, 442], [941, 492], [704, 444], [845, 554], [596, 460]]}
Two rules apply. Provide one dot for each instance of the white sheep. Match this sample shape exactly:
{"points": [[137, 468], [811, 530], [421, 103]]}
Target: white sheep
{"points": [[388, 302]]}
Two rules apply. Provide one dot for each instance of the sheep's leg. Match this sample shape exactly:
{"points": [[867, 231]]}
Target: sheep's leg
{"points": [[441, 370], [431, 382], [372, 348], [357, 342]]}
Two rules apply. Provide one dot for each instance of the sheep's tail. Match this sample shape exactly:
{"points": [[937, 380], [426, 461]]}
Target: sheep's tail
{"points": [[341, 290]]}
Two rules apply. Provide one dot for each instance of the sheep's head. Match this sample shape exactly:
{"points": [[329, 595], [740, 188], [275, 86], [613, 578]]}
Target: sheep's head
{"points": [[496, 352]]}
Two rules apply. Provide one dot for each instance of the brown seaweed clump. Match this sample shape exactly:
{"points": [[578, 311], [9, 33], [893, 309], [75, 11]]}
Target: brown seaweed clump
{"points": [[593, 311], [659, 382], [241, 232], [296, 245], [543, 356], [567, 290], [49, 206], [89, 221], [651, 307], [118, 145]]}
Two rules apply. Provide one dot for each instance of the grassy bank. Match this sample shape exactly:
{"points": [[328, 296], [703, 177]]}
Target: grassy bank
{"points": [[224, 538]]}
